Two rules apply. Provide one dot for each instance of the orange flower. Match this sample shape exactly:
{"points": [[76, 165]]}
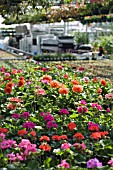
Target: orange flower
{"points": [[99, 90], [75, 82], [77, 88], [103, 82], [71, 126], [63, 90], [45, 138], [33, 133], [3, 130], [10, 84], [45, 147], [8, 90], [21, 83], [22, 132], [55, 137], [78, 136], [47, 77], [54, 84]]}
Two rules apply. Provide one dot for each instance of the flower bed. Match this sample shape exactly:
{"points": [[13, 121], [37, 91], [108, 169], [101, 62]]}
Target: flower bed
{"points": [[56, 116]]}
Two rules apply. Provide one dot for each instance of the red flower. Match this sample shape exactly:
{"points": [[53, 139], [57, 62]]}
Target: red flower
{"points": [[45, 147], [10, 84], [94, 128], [95, 135], [22, 132], [45, 138], [47, 77], [103, 82], [21, 83], [8, 90], [11, 107], [78, 136], [95, 80], [71, 126], [3, 130], [33, 133], [15, 99], [63, 137], [55, 137]]}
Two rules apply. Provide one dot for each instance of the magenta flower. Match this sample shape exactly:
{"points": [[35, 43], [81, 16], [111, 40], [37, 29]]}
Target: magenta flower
{"points": [[26, 115], [94, 163], [108, 110], [64, 164], [111, 162], [16, 116], [42, 114], [96, 105], [7, 144], [83, 102], [65, 146], [64, 111], [82, 109], [50, 124], [29, 125], [48, 117]]}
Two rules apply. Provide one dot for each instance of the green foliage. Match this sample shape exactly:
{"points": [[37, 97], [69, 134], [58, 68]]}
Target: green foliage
{"points": [[81, 37], [106, 42]]}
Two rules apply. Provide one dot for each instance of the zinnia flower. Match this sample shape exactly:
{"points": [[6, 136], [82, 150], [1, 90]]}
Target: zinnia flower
{"points": [[103, 82], [77, 88]]}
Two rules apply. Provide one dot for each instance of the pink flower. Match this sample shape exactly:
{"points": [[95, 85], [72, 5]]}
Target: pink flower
{"points": [[111, 162], [11, 156], [7, 74], [64, 164], [65, 146], [2, 136]]}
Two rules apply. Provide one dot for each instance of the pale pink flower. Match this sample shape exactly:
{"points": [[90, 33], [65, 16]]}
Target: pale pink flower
{"points": [[40, 92]]}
